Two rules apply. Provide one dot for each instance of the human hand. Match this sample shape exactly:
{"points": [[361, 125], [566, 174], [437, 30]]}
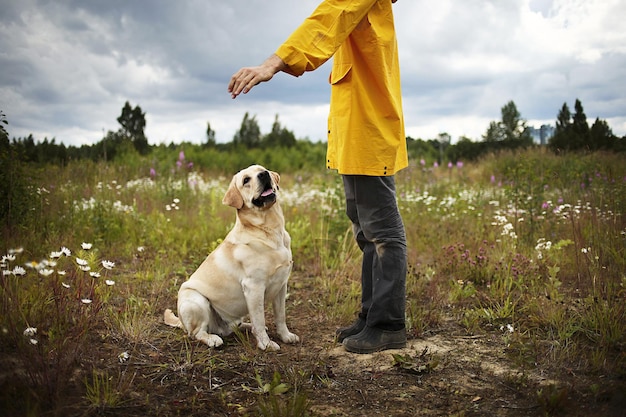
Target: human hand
{"points": [[246, 78]]}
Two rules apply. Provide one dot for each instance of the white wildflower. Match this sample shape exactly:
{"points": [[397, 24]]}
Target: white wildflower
{"points": [[123, 357], [95, 274], [66, 251], [542, 246], [46, 272], [86, 246], [108, 264], [86, 301], [81, 262], [30, 331], [109, 282], [509, 328]]}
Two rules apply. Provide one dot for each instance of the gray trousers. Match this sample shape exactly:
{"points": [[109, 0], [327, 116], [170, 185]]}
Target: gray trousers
{"points": [[378, 229]]}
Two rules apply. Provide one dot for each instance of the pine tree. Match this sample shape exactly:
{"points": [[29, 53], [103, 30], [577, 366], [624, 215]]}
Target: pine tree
{"points": [[249, 134], [580, 128], [563, 132]]}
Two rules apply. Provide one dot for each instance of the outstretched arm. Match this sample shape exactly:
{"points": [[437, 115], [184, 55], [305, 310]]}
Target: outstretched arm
{"points": [[246, 78]]}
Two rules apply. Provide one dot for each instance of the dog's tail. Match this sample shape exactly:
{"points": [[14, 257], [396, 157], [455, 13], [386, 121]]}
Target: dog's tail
{"points": [[170, 319]]}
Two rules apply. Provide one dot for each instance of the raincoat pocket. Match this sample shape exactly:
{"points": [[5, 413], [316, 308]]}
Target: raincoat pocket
{"points": [[339, 73]]}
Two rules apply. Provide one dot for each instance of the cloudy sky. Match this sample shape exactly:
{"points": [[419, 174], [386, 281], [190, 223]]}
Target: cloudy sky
{"points": [[67, 67]]}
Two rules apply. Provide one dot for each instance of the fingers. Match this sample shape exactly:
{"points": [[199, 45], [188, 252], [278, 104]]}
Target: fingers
{"points": [[244, 80], [239, 82], [248, 77]]}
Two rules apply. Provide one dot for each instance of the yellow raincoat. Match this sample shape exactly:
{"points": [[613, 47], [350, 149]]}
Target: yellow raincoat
{"points": [[365, 125]]}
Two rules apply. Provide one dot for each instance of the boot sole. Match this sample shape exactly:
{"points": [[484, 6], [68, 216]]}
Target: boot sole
{"points": [[386, 346]]}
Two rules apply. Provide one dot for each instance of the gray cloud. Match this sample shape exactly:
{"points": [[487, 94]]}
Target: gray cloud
{"points": [[69, 66]]}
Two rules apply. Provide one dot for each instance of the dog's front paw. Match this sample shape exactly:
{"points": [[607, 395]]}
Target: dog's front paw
{"points": [[289, 337], [263, 342], [270, 346]]}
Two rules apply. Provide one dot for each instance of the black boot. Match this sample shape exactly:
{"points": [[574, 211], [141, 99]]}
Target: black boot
{"points": [[351, 330], [372, 339]]}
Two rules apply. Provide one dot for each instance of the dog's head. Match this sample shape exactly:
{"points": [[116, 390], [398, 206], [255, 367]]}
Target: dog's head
{"points": [[253, 187]]}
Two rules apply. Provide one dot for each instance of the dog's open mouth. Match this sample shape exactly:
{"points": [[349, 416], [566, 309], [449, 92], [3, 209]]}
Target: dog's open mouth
{"points": [[268, 195]]}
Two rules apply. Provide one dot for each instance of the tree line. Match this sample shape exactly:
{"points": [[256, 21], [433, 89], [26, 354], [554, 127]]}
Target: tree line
{"points": [[572, 133], [131, 137]]}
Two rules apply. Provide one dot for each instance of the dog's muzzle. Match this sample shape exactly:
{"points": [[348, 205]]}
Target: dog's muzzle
{"points": [[267, 194]]}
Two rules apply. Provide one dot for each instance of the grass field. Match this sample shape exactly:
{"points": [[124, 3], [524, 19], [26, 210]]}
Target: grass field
{"points": [[517, 261]]}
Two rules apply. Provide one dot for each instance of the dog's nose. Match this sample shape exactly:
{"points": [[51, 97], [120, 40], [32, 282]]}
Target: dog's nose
{"points": [[263, 175]]}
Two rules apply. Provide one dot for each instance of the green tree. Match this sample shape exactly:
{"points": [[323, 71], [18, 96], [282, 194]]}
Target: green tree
{"points": [[279, 136], [133, 122], [422, 150], [16, 183], [579, 120], [514, 127], [249, 134], [210, 136], [563, 120], [580, 128], [511, 132], [494, 133], [572, 130], [466, 150], [563, 131], [601, 136]]}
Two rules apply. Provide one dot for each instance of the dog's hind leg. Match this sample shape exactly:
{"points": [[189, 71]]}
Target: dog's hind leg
{"points": [[195, 313]]}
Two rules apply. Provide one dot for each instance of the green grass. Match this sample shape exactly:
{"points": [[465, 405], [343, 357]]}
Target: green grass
{"points": [[529, 247]]}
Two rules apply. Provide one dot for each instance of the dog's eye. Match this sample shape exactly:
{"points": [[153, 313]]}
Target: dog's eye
{"points": [[246, 180]]}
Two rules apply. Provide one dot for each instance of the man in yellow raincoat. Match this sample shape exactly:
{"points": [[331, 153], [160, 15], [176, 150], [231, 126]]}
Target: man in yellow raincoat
{"points": [[366, 145]]}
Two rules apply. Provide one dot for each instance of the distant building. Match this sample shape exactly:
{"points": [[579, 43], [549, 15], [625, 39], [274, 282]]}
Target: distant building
{"points": [[541, 135]]}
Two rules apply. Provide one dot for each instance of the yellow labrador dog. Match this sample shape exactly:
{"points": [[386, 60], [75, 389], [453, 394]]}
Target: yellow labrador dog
{"points": [[250, 266]]}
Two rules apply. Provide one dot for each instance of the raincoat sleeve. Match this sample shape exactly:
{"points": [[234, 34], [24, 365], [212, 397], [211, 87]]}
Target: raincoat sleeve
{"points": [[321, 34]]}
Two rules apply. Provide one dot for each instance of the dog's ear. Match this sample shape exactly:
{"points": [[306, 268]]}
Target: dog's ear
{"points": [[275, 178], [233, 197]]}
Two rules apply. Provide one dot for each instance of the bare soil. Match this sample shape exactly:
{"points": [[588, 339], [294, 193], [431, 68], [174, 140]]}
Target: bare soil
{"points": [[443, 372]]}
